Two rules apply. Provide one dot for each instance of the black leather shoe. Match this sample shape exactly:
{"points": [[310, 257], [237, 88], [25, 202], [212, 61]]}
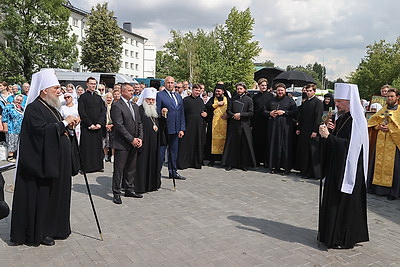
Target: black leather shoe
{"points": [[48, 241], [117, 199], [245, 169], [211, 163], [132, 194], [391, 198], [228, 168], [179, 177]]}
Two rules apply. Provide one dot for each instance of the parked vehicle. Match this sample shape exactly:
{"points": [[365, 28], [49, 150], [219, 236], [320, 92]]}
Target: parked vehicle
{"points": [[151, 82], [79, 78]]}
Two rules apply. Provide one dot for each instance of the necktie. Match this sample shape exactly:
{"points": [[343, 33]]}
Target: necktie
{"points": [[174, 98], [131, 109]]}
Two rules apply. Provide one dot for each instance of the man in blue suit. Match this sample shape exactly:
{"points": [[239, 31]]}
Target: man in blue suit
{"points": [[170, 107]]}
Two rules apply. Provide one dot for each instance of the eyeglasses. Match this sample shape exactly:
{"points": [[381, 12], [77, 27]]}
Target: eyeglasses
{"points": [[178, 86], [66, 97]]}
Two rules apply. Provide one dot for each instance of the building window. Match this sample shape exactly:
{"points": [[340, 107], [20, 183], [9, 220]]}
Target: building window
{"points": [[126, 65], [75, 22], [137, 54], [127, 40], [137, 67], [126, 52], [132, 66], [137, 43], [132, 42], [132, 54]]}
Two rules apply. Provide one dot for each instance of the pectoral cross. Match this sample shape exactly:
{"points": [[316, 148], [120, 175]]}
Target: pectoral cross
{"points": [[386, 116]]}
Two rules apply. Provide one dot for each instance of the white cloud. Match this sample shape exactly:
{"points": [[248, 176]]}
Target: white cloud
{"points": [[291, 32]]}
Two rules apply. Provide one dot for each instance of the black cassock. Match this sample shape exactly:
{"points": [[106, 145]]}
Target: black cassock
{"points": [[343, 217], [260, 125], [239, 152], [191, 145], [308, 149], [281, 134], [148, 176], [42, 196], [92, 111]]}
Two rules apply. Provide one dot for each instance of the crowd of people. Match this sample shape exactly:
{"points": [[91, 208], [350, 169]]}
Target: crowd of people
{"points": [[134, 128]]}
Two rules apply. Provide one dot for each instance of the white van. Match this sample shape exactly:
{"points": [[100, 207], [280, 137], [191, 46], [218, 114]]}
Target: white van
{"points": [[79, 78]]}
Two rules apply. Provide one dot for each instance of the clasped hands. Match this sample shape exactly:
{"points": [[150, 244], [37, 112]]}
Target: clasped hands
{"points": [[276, 113], [137, 142], [383, 127], [94, 127]]}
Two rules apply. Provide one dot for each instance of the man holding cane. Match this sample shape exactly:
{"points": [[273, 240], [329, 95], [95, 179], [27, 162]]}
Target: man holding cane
{"points": [[42, 196]]}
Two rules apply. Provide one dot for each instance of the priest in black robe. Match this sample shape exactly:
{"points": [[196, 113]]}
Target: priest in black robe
{"points": [[92, 111], [42, 196], [260, 122], [308, 142], [343, 214], [191, 145], [281, 111], [239, 152], [148, 176]]}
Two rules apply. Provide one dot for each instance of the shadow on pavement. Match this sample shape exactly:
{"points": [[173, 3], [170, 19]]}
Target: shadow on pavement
{"points": [[277, 230], [101, 189], [84, 235]]}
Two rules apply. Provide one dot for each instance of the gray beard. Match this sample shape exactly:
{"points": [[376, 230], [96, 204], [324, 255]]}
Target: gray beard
{"points": [[150, 110], [53, 102]]}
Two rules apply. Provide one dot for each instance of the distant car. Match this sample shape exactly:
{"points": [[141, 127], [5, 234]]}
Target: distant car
{"points": [[252, 92]]}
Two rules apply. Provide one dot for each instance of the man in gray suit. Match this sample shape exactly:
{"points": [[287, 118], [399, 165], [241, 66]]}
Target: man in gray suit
{"points": [[128, 135]]}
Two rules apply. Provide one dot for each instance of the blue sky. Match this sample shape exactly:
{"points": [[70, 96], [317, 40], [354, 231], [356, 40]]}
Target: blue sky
{"points": [[291, 32]]}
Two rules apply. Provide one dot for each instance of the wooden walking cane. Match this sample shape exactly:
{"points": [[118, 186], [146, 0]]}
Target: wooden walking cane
{"points": [[88, 188]]}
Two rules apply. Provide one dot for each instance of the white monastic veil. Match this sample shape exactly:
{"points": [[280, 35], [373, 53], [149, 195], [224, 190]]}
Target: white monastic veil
{"points": [[41, 80], [359, 135], [149, 92]]}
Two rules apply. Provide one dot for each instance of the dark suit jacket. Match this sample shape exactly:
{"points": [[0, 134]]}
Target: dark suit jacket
{"points": [[176, 115], [125, 127]]}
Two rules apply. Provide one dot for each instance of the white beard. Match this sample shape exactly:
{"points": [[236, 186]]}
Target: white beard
{"points": [[150, 110], [53, 102]]}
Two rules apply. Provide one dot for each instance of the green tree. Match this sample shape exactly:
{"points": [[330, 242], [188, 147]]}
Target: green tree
{"points": [[102, 46], [164, 61], [380, 66], [36, 36], [212, 66], [238, 49], [225, 54]]}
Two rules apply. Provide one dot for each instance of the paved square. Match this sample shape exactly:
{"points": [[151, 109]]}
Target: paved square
{"points": [[215, 218]]}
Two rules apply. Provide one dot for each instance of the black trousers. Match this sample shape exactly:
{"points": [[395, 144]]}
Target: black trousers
{"points": [[124, 170]]}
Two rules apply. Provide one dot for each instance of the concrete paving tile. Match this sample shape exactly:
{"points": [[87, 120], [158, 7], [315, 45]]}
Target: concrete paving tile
{"points": [[215, 218]]}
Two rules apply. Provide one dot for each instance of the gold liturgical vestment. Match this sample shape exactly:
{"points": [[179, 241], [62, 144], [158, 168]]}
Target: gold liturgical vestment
{"points": [[386, 143], [219, 126]]}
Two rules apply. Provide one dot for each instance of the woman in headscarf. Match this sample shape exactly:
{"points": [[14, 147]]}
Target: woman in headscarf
{"points": [[329, 102]]}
